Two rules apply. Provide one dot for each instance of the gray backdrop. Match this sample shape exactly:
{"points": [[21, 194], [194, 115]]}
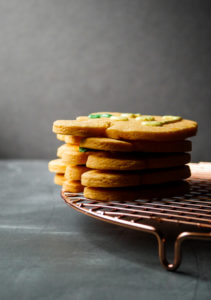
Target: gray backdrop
{"points": [[63, 58]]}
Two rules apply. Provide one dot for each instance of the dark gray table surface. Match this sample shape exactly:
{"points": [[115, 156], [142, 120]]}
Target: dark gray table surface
{"points": [[50, 251]]}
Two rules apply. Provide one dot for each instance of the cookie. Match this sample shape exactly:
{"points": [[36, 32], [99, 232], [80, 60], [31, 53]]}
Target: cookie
{"points": [[132, 161], [75, 172], [67, 148], [136, 130], [81, 128], [108, 144], [163, 147], [60, 137], [108, 194], [57, 166], [59, 179], [71, 139], [128, 127], [131, 193], [72, 186], [72, 154], [108, 179], [74, 158]]}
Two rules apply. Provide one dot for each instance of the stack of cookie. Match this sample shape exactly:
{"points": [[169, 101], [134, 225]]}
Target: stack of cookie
{"points": [[118, 156], [70, 165]]}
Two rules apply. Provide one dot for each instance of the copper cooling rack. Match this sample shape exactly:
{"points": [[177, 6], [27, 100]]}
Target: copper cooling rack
{"points": [[189, 215]]}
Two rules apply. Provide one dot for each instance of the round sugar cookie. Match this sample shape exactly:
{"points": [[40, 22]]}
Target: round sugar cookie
{"points": [[109, 194], [75, 158], [81, 128], [97, 178], [163, 147], [165, 175], [59, 179], [107, 144], [72, 186], [75, 172], [133, 161], [135, 130], [60, 137], [57, 166], [132, 193], [66, 148], [106, 179], [71, 139], [117, 126], [70, 154]]}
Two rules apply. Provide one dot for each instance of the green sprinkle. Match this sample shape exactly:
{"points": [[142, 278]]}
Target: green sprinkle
{"points": [[106, 115], [97, 116], [81, 149]]}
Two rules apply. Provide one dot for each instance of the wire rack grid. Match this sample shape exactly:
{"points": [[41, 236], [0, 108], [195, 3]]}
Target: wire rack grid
{"points": [[189, 214]]}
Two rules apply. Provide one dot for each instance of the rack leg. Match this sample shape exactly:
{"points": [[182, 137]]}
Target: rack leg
{"points": [[177, 247]]}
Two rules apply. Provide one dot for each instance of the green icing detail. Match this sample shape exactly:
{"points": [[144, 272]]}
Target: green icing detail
{"points": [[148, 120], [81, 149], [106, 115], [97, 116]]}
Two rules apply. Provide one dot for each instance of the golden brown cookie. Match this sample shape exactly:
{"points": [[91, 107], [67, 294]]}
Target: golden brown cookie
{"points": [[67, 148], [135, 161], [60, 137], [107, 144], [75, 172], [71, 139], [59, 179], [81, 128], [72, 186], [109, 179], [75, 158], [109, 194], [71, 154], [132, 193], [136, 130], [57, 166], [163, 147], [119, 126]]}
